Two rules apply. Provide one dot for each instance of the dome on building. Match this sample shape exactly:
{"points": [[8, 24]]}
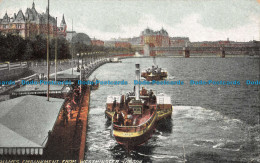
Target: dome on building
{"points": [[81, 38], [163, 31]]}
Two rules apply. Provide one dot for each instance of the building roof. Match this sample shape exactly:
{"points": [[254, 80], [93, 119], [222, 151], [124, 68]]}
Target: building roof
{"points": [[19, 18], [31, 15], [25, 121], [148, 31], [81, 38], [63, 22]]}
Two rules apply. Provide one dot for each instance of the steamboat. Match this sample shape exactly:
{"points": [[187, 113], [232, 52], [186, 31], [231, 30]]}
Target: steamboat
{"points": [[134, 116], [154, 73]]}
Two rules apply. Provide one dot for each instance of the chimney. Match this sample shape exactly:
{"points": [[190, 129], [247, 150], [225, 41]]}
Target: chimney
{"points": [[137, 74]]}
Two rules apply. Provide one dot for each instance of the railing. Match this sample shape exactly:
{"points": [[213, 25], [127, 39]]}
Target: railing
{"points": [[10, 66], [21, 150], [138, 128]]}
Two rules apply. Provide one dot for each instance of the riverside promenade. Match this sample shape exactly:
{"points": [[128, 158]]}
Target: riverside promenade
{"points": [[67, 142]]}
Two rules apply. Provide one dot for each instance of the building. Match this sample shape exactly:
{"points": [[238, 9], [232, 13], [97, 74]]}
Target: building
{"points": [[179, 41], [135, 41], [32, 23], [222, 43], [122, 45], [155, 38], [109, 44], [81, 38], [25, 124], [70, 34], [96, 42]]}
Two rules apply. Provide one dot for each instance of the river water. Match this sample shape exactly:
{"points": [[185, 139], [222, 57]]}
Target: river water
{"points": [[211, 123]]}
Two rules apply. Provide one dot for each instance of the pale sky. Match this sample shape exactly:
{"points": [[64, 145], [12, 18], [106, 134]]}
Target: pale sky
{"points": [[200, 20]]}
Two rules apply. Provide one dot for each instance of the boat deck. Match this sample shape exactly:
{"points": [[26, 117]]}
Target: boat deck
{"points": [[146, 115]]}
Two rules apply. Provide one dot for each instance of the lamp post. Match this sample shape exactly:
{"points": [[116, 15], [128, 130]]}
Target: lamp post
{"points": [[48, 55], [85, 55], [82, 55], [78, 70]]}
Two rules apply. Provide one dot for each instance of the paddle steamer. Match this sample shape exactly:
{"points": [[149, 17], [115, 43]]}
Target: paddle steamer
{"points": [[134, 116], [154, 73]]}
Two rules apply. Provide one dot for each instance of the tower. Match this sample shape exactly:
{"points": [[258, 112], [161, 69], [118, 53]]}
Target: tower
{"points": [[33, 5], [47, 10], [63, 25]]}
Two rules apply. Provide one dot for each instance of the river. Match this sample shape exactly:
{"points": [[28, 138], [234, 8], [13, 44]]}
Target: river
{"points": [[210, 123]]}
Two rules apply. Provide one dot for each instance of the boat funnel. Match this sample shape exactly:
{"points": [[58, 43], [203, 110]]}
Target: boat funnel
{"points": [[154, 62], [137, 74]]}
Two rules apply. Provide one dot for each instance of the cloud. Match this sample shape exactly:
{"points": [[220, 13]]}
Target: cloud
{"points": [[200, 20], [189, 26]]}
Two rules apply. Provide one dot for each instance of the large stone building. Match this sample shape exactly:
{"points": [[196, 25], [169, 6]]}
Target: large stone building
{"points": [[96, 42], [155, 38], [109, 44], [32, 23], [179, 41], [81, 38], [122, 45]]}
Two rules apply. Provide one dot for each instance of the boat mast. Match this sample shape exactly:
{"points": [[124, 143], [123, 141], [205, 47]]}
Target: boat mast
{"points": [[137, 89]]}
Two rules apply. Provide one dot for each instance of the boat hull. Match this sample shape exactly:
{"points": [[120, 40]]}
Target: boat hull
{"points": [[164, 114], [132, 142], [154, 77]]}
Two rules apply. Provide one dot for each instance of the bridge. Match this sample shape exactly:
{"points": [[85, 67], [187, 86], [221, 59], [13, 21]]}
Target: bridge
{"points": [[222, 51]]}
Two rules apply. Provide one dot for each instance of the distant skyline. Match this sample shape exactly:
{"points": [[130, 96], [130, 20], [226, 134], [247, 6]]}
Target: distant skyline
{"points": [[200, 20]]}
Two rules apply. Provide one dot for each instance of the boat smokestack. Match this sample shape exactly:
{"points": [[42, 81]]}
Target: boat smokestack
{"points": [[154, 62], [137, 74]]}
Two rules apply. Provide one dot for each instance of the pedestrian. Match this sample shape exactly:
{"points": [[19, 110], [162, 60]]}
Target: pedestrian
{"points": [[64, 117]]}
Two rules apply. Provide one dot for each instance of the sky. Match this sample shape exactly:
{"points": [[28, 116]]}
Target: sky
{"points": [[200, 20]]}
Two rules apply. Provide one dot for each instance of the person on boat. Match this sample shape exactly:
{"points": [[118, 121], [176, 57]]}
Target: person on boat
{"points": [[115, 118], [159, 70], [150, 95], [149, 71], [144, 91], [114, 105], [121, 119]]}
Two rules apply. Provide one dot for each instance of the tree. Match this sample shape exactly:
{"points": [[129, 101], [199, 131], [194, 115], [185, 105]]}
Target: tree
{"points": [[28, 53]]}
